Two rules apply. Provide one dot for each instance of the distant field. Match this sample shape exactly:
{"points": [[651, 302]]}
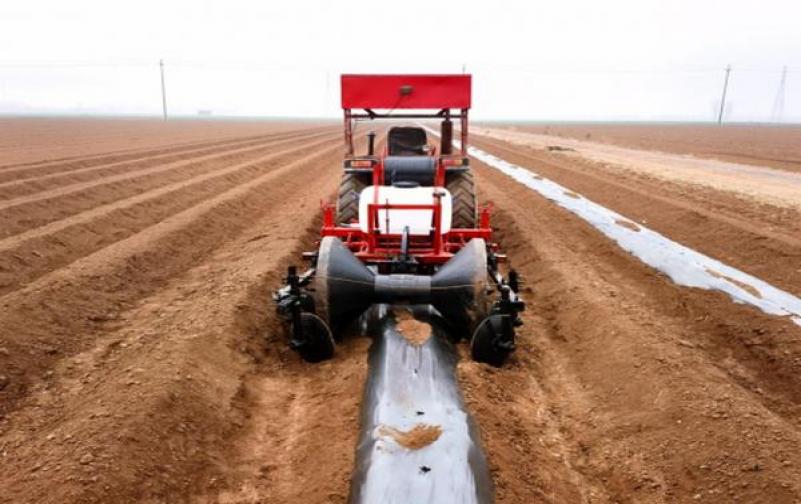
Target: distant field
{"points": [[774, 146], [37, 139]]}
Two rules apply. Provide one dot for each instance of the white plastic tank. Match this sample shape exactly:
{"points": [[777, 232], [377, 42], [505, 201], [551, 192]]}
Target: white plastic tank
{"points": [[420, 222]]}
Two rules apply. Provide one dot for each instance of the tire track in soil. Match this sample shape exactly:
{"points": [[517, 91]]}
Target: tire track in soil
{"points": [[758, 239], [289, 452], [63, 311], [172, 386], [299, 447], [13, 186], [135, 153], [21, 256], [38, 210], [656, 393], [305, 418]]}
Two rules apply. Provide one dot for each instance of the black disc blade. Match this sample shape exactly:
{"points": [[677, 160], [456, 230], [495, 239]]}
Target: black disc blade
{"points": [[317, 343], [493, 341]]}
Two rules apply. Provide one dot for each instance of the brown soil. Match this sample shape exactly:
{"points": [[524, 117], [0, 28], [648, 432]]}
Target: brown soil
{"points": [[141, 359], [414, 331], [419, 436], [133, 330], [41, 141], [626, 387], [757, 183], [774, 146], [758, 238]]}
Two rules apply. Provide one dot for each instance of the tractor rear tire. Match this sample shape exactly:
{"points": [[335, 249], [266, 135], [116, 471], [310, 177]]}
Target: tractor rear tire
{"points": [[463, 196], [350, 188]]}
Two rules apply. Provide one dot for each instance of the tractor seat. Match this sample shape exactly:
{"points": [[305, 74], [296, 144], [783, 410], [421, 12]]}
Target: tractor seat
{"points": [[407, 141], [417, 169]]}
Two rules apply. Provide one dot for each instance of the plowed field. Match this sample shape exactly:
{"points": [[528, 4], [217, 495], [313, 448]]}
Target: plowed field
{"points": [[141, 359]]}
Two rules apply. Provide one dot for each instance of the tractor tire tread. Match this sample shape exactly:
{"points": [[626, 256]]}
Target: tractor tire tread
{"points": [[462, 187], [350, 188]]}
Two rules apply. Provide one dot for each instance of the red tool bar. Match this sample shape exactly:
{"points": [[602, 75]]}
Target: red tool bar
{"points": [[405, 91]]}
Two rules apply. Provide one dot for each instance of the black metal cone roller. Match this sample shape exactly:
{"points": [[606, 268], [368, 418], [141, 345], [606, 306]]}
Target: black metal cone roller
{"points": [[344, 287]]}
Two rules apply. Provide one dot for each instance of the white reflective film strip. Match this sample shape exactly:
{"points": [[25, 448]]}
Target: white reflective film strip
{"points": [[683, 265]]}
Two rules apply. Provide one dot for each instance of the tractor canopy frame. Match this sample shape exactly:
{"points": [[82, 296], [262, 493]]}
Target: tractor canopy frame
{"points": [[441, 93], [364, 260], [438, 96]]}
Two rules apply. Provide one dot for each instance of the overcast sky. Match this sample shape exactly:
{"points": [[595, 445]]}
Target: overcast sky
{"points": [[556, 60]]}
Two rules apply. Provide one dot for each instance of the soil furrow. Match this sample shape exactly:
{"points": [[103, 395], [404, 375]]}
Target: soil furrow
{"points": [[658, 393], [61, 190], [142, 360], [199, 386], [762, 145], [194, 360], [12, 185], [113, 156], [63, 311], [71, 200], [73, 237], [133, 153], [758, 239]]}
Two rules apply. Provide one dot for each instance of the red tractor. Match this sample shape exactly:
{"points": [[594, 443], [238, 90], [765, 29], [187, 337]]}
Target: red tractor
{"points": [[406, 228]]}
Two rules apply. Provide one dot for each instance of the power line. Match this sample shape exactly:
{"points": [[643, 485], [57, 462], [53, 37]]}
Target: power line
{"points": [[67, 64], [256, 64]]}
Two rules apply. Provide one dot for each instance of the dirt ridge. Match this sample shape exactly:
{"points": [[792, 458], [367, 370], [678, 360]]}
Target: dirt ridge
{"points": [[38, 175]]}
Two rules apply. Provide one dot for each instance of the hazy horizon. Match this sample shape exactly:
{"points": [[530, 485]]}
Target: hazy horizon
{"points": [[337, 120], [568, 61]]}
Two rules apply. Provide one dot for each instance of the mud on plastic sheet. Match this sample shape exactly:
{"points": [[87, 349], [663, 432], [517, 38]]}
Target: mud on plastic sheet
{"points": [[418, 443]]}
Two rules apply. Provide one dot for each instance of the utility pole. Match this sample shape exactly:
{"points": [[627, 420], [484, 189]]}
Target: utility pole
{"points": [[464, 68], [163, 90], [723, 98], [778, 105], [327, 98]]}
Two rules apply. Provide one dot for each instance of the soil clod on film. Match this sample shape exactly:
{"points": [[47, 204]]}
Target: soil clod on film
{"points": [[412, 330], [746, 287], [419, 436], [628, 225]]}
